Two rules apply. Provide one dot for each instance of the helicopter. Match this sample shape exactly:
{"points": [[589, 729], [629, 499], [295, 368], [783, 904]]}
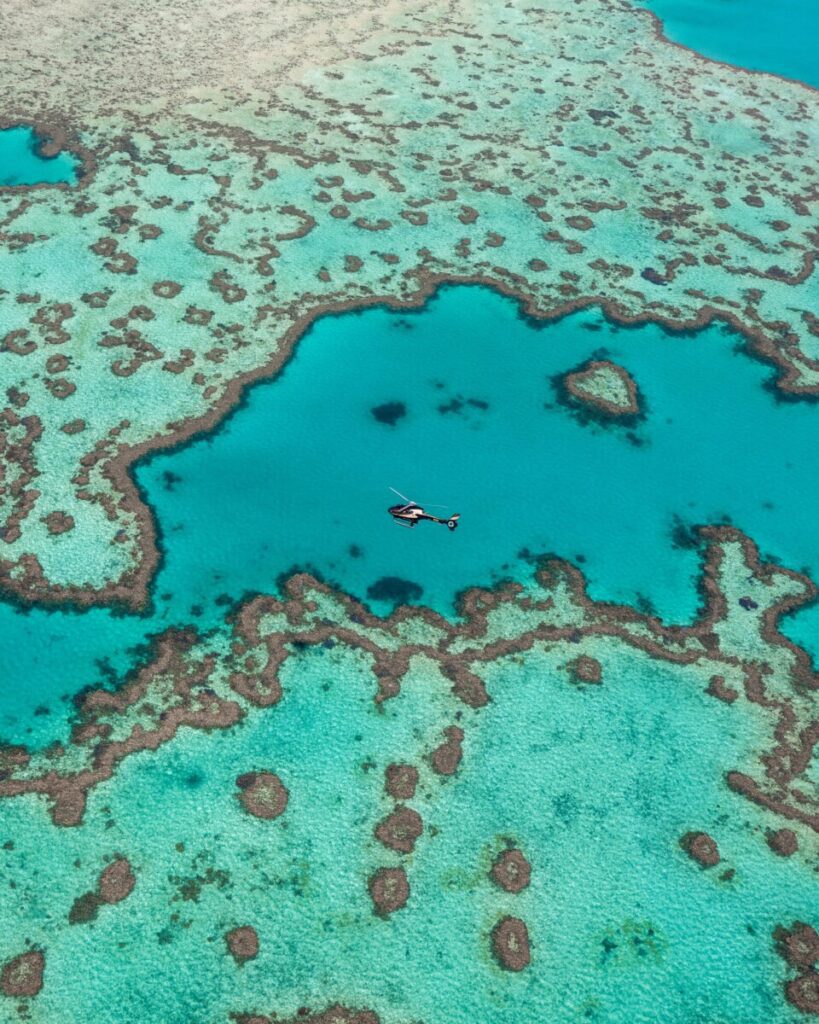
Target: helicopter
{"points": [[411, 513]]}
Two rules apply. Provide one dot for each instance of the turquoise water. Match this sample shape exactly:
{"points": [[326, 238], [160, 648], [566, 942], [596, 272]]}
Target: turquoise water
{"points": [[620, 920], [298, 477], [755, 34], [20, 163], [301, 474], [596, 784]]}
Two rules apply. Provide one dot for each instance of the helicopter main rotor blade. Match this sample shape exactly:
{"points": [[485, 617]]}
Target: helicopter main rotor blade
{"points": [[411, 502]]}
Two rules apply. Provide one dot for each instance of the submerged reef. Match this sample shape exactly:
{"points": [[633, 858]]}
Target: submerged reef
{"points": [[584, 669], [395, 589], [604, 388], [417, 674], [242, 943], [390, 412], [23, 976], [389, 890], [510, 944], [783, 841], [702, 848], [115, 883], [799, 947], [511, 871], [202, 682], [213, 223], [262, 794], [299, 796]]}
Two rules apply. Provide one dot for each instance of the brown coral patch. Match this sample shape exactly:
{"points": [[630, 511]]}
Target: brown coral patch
{"points": [[84, 908], [400, 781], [511, 871], [510, 944], [58, 522], [61, 388], [57, 363], [783, 842], [389, 890], [799, 947], [400, 830], [585, 669], [116, 881], [580, 222], [262, 794], [446, 757], [73, 427], [222, 283], [701, 847], [22, 977], [803, 992], [799, 944], [575, 383], [242, 943], [166, 289]]}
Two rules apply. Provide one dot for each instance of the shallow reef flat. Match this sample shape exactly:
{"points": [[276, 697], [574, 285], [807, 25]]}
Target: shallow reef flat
{"points": [[544, 806], [553, 807], [515, 146], [603, 389]]}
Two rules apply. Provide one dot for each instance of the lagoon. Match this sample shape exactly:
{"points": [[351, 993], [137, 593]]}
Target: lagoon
{"points": [[298, 477], [753, 34], [22, 164]]}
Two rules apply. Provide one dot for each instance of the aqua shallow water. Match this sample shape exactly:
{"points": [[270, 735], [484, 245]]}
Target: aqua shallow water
{"points": [[300, 475], [596, 786], [754, 34], [298, 478], [21, 164]]}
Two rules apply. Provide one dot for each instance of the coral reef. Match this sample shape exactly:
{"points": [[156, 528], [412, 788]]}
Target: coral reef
{"points": [[603, 388], [511, 871], [22, 977], [242, 943], [702, 848], [262, 794], [280, 211], [799, 946], [389, 890], [510, 944]]}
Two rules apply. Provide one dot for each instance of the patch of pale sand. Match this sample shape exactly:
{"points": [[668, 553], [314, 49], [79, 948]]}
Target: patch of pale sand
{"points": [[81, 58]]}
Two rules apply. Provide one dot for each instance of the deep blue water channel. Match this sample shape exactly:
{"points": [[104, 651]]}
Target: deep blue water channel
{"points": [[21, 164], [298, 477], [780, 37]]}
